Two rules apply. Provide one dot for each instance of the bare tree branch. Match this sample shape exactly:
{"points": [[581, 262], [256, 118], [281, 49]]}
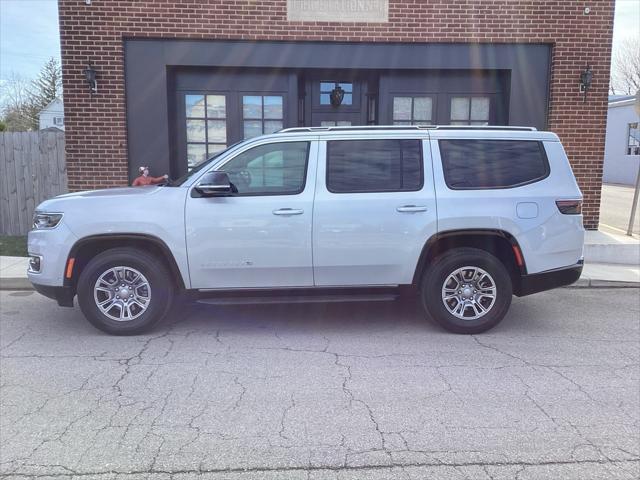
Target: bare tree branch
{"points": [[17, 111], [625, 68]]}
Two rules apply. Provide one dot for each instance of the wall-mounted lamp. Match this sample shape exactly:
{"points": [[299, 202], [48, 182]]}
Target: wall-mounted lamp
{"points": [[585, 82], [90, 76]]}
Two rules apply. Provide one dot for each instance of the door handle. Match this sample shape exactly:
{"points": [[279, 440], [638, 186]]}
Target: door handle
{"points": [[411, 208], [288, 211]]}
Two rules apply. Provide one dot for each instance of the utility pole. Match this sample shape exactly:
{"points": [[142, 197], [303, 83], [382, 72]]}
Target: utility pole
{"points": [[634, 206]]}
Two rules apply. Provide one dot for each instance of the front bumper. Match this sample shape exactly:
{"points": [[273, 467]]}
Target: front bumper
{"points": [[63, 295], [52, 246], [558, 277]]}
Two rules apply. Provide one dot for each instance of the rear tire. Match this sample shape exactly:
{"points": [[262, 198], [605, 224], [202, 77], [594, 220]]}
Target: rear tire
{"points": [[125, 291], [466, 290]]}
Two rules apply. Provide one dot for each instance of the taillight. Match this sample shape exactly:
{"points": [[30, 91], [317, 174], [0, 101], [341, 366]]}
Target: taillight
{"points": [[570, 207]]}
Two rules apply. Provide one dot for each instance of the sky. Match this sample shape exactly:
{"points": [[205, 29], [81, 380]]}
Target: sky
{"points": [[29, 33], [626, 22], [29, 36]]}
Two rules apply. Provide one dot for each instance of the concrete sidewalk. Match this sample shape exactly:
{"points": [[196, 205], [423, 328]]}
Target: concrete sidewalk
{"points": [[13, 275], [606, 247]]}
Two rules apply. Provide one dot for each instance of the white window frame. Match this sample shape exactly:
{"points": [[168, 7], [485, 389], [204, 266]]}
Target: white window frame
{"points": [[632, 149]]}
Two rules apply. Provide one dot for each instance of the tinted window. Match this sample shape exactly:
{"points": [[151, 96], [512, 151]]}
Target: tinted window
{"points": [[273, 169], [476, 164], [374, 165]]}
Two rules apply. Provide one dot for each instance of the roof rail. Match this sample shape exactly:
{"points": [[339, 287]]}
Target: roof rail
{"points": [[486, 127], [356, 127], [405, 127]]}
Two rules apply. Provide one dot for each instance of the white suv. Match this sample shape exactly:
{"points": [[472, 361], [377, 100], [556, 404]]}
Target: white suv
{"points": [[465, 216]]}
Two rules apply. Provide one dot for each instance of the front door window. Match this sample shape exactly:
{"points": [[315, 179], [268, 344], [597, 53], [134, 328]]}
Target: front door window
{"points": [[272, 169], [336, 93], [336, 103]]}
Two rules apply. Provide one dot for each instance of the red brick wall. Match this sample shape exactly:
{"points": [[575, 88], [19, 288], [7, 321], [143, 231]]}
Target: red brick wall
{"points": [[95, 127]]}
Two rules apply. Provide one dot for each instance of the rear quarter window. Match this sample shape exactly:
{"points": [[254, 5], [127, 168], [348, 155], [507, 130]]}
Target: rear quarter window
{"points": [[483, 164]]}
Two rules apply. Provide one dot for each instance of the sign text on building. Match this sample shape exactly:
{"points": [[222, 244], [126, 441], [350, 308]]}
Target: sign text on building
{"points": [[338, 10]]}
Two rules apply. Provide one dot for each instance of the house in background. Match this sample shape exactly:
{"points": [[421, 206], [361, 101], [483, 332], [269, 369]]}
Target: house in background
{"points": [[622, 143], [52, 116]]}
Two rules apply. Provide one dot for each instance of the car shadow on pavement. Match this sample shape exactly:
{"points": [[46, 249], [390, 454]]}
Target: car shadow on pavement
{"points": [[319, 318], [328, 317], [527, 316]]}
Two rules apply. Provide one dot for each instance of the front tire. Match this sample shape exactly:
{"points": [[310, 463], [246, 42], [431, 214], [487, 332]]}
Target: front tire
{"points": [[125, 291], [466, 290]]}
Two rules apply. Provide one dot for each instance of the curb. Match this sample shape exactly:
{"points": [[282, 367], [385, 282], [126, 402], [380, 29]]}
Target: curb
{"points": [[617, 254], [25, 284], [595, 283]]}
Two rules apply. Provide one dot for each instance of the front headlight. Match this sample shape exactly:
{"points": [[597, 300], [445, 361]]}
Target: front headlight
{"points": [[44, 220]]}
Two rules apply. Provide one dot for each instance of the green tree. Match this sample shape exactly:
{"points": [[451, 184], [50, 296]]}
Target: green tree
{"points": [[3, 126], [47, 86], [15, 103], [23, 100]]}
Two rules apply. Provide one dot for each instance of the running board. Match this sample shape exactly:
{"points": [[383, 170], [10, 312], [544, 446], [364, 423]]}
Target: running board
{"points": [[265, 300]]}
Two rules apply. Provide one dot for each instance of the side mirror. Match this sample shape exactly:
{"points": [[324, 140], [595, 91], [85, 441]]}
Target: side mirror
{"points": [[214, 184]]}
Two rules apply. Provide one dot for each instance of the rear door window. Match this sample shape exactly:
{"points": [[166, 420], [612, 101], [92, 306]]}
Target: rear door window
{"points": [[358, 166], [482, 164]]}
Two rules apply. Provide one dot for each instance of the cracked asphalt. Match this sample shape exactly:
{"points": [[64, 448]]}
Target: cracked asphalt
{"points": [[324, 391]]}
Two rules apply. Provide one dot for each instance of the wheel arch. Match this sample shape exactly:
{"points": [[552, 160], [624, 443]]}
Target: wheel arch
{"points": [[499, 243], [86, 248]]}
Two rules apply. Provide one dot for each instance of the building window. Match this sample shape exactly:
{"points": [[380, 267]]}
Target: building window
{"points": [[633, 139], [470, 111], [412, 111], [206, 126], [58, 121], [337, 123], [262, 114], [372, 109], [327, 86]]}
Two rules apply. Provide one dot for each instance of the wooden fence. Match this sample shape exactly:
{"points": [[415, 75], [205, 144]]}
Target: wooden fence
{"points": [[32, 169]]}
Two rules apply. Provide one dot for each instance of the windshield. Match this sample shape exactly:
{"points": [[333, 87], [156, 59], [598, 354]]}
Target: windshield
{"points": [[201, 166]]}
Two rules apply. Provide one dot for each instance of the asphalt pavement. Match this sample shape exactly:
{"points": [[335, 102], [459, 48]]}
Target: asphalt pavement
{"points": [[324, 391]]}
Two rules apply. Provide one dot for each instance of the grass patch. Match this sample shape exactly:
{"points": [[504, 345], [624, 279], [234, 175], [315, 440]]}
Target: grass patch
{"points": [[13, 246]]}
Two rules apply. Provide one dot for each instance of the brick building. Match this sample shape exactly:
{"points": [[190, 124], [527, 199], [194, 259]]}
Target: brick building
{"points": [[178, 80]]}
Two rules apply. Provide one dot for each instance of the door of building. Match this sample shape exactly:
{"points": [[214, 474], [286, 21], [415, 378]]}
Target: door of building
{"points": [[336, 100], [335, 119]]}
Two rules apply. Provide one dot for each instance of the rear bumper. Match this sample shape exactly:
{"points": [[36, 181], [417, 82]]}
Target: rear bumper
{"points": [[539, 282], [63, 295]]}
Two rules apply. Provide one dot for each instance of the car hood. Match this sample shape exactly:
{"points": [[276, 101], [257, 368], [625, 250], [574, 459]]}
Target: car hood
{"points": [[143, 196], [112, 192]]}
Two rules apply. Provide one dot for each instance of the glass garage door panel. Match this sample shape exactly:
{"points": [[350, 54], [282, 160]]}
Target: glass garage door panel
{"points": [[262, 114], [206, 126], [412, 110], [470, 110]]}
